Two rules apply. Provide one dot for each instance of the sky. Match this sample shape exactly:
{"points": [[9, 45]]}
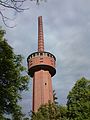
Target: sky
{"points": [[66, 25]]}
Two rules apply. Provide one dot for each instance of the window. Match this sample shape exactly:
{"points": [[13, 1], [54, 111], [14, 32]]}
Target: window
{"points": [[48, 54], [41, 53], [34, 55], [45, 83]]}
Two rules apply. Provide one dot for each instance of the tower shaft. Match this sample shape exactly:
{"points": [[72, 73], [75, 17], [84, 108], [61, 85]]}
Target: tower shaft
{"points": [[42, 89]]}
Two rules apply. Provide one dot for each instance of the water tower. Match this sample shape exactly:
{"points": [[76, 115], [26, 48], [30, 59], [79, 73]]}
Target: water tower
{"points": [[41, 67]]}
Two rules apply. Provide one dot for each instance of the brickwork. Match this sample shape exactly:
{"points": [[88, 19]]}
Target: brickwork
{"points": [[41, 67], [40, 35], [42, 89]]}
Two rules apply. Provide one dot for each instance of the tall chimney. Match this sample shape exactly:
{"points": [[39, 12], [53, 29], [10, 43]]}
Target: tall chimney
{"points": [[40, 35]]}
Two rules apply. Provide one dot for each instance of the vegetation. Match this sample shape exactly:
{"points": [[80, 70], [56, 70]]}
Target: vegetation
{"points": [[55, 97], [12, 82], [16, 6], [50, 111], [47, 112], [78, 105]]}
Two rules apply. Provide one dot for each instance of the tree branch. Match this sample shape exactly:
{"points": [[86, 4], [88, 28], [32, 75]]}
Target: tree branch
{"points": [[16, 5]]}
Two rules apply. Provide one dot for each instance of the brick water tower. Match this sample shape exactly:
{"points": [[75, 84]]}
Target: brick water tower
{"points": [[41, 67]]}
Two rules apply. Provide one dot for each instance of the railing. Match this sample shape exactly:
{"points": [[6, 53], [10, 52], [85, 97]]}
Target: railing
{"points": [[36, 54]]}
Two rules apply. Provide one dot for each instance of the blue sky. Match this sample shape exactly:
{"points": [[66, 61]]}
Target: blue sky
{"points": [[66, 26]]}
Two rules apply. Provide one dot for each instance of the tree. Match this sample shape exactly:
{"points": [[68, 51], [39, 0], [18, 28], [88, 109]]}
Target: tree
{"points": [[78, 103], [12, 81], [63, 112], [26, 118], [55, 97], [16, 6], [49, 111]]}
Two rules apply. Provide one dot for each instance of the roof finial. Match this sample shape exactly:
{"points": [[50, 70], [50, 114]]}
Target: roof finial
{"points": [[40, 35]]}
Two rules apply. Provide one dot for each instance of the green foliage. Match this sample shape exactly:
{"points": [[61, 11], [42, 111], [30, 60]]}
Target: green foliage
{"points": [[79, 101], [50, 112], [63, 112], [78, 105], [12, 82], [55, 97], [47, 112], [26, 118]]}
